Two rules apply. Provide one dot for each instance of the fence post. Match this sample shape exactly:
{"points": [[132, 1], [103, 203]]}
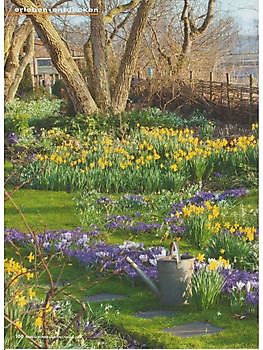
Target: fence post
{"points": [[251, 89], [211, 86], [221, 93], [191, 78], [250, 96], [227, 90]]}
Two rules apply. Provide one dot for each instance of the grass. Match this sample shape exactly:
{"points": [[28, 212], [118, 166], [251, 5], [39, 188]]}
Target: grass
{"points": [[54, 210], [42, 210]]}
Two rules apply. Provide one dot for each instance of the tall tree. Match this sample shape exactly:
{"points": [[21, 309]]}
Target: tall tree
{"points": [[191, 30], [97, 95]]}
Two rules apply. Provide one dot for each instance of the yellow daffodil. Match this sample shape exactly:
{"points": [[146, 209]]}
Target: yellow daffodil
{"points": [[21, 301], [213, 265], [201, 257], [31, 293], [18, 324], [39, 321], [174, 167], [31, 257]]}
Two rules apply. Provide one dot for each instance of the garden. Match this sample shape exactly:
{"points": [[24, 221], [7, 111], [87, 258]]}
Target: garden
{"points": [[84, 193]]}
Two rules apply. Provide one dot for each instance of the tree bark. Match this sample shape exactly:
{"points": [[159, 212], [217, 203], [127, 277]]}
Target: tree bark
{"points": [[89, 65], [62, 60], [9, 30], [100, 65], [12, 61], [27, 58], [128, 63]]}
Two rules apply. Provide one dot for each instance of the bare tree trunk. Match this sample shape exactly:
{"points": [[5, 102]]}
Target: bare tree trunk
{"points": [[100, 65], [27, 58], [62, 60], [12, 61], [128, 63], [89, 65]]}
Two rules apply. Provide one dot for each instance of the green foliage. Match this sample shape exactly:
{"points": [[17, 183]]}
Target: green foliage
{"points": [[201, 168], [18, 123], [197, 232], [154, 117], [20, 115], [121, 125], [147, 160], [207, 131], [89, 212], [238, 300], [240, 253], [26, 84], [57, 87], [206, 288]]}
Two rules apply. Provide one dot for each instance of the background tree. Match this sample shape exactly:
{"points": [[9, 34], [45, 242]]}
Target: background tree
{"points": [[77, 88], [18, 50]]}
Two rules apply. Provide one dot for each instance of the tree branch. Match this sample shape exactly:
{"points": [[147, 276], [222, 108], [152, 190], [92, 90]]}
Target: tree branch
{"points": [[108, 18], [120, 25], [209, 16], [60, 2], [160, 50]]}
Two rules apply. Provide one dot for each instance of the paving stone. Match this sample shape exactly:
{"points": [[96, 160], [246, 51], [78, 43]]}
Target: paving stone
{"points": [[156, 313], [105, 297], [193, 329]]}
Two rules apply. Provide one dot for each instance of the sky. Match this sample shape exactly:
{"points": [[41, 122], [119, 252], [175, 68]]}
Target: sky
{"points": [[244, 11]]}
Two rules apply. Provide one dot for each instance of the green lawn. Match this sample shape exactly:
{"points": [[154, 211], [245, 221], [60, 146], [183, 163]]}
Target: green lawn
{"points": [[54, 210], [42, 210]]}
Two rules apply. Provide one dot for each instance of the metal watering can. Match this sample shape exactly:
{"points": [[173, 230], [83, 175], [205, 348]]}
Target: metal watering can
{"points": [[174, 276]]}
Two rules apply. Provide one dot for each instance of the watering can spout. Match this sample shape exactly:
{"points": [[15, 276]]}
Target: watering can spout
{"points": [[143, 276]]}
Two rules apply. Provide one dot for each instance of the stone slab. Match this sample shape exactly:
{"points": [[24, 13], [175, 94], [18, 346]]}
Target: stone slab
{"points": [[105, 297], [193, 329], [155, 313]]}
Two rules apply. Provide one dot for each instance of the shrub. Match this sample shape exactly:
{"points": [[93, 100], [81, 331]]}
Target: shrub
{"points": [[57, 87], [30, 114], [26, 84], [154, 117]]}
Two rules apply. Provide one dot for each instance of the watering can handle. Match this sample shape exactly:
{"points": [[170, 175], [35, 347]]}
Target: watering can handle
{"points": [[175, 251]]}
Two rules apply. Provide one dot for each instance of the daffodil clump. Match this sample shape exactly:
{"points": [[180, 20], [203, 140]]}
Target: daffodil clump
{"points": [[216, 278], [247, 232], [149, 159], [207, 282], [236, 243], [198, 220]]}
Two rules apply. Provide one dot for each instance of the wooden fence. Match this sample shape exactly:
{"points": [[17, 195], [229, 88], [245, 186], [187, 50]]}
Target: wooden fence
{"points": [[224, 98], [226, 93]]}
